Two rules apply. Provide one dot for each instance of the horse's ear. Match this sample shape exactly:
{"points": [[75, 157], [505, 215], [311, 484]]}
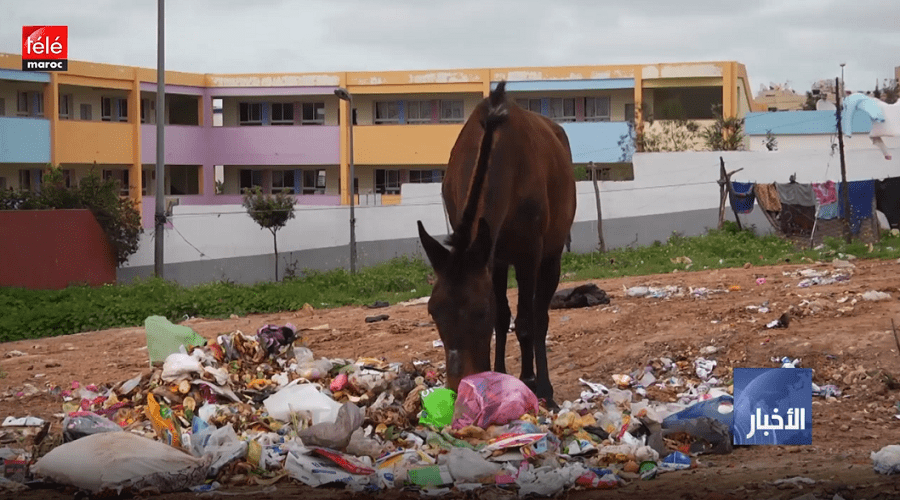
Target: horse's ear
{"points": [[437, 253], [480, 250]]}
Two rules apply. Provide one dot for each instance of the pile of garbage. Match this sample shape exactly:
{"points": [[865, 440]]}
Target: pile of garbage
{"points": [[255, 409]]}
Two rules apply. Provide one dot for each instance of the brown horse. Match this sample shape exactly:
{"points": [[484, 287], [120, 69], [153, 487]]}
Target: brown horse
{"points": [[511, 171]]}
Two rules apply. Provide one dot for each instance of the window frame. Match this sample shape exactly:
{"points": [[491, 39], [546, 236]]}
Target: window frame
{"points": [[555, 103], [387, 186], [285, 108], [590, 112], [423, 109], [251, 107], [390, 120], [315, 107]]}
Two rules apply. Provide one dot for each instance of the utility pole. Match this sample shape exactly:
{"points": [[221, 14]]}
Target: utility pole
{"points": [[595, 172], [160, 219], [845, 191]]}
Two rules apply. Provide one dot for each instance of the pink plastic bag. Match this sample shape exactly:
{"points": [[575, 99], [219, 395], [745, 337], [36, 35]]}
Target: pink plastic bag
{"points": [[490, 398]]}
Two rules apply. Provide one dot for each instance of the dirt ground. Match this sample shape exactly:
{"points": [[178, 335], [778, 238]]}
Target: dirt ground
{"points": [[847, 340]]}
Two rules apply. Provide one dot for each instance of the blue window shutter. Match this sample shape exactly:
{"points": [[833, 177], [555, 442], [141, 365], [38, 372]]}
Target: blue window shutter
{"points": [[545, 106], [36, 180], [401, 109], [35, 102], [297, 175], [266, 113]]}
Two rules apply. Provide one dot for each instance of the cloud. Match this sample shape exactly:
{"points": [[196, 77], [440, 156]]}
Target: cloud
{"points": [[801, 41]]}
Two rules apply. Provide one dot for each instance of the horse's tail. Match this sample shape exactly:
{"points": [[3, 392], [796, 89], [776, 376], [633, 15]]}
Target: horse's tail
{"points": [[498, 112]]}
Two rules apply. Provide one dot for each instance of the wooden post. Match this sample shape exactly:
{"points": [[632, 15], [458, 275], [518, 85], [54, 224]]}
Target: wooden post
{"points": [[845, 191], [726, 190], [594, 171]]}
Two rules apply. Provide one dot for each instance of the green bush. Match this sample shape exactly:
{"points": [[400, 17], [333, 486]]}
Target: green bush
{"points": [[117, 216]]}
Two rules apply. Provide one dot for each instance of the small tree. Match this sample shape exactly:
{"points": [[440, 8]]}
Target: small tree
{"points": [[725, 134], [269, 211], [770, 142]]}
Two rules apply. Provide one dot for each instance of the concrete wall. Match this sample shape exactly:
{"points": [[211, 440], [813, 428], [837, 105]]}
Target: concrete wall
{"points": [[670, 192], [24, 140]]}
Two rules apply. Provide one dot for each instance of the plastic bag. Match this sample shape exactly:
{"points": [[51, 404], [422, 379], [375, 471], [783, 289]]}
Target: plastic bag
{"points": [[720, 408], [179, 364], [715, 437], [302, 397], [164, 423], [468, 466], [437, 407], [492, 398], [119, 460], [335, 434], [164, 338], [887, 459], [81, 424], [222, 444]]}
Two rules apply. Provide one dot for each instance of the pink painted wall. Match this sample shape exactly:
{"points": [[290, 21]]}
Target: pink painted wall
{"points": [[309, 145]]}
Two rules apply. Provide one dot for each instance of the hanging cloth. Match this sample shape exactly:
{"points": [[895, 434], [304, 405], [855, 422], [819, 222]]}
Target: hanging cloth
{"points": [[862, 196]]}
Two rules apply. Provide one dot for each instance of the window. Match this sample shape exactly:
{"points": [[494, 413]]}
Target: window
{"points": [[2, 107], [562, 109], [148, 110], [387, 112], [452, 111], [184, 179], [122, 110], [30, 103], [68, 177], [147, 176], [282, 181], [105, 109], [387, 181], [629, 113], [86, 112], [426, 176], [313, 182], [251, 113], [119, 175], [530, 104], [250, 178], [2, 182], [596, 109], [22, 103], [313, 113], [282, 113], [418, 112], [25, 180], [65, 106]]}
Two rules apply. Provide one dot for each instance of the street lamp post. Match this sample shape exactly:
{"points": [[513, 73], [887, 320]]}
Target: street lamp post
{"points": [[344, 95]]}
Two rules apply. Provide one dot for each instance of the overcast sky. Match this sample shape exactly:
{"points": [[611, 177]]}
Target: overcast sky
{"points": [[795, 41]]}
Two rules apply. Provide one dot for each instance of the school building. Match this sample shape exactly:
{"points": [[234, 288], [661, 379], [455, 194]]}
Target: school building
{"points": [[289, 132]]}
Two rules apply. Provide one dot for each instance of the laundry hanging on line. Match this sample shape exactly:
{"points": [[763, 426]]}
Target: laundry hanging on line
{"points": [[826, 199], [862, 199], [767, 197], [795, 193]]}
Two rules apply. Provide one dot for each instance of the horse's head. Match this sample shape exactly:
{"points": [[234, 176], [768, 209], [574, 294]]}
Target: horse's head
{"points": [[462, 303]]}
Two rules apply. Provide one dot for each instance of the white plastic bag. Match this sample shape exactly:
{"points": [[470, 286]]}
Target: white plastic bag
{"points": [[302, 397], [118, 460], [223, 444], [179, 364], [468, 466]]}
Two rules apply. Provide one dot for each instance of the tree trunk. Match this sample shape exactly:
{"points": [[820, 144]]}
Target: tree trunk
{"points": [[275, 238]]}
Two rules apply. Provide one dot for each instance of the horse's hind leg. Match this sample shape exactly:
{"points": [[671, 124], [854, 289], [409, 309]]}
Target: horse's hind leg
{"points": [[548, 280], [501, 326]]}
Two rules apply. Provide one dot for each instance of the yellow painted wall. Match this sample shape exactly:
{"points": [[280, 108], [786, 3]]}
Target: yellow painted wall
{"points": [[103, 142], [404, 144]]}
